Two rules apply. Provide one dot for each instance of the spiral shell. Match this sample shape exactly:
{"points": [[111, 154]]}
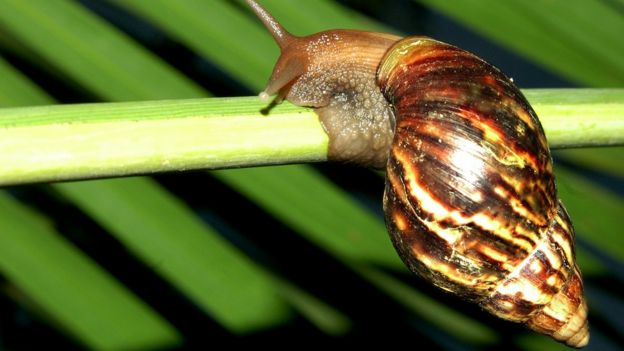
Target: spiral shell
{"points": [[470, 197]]}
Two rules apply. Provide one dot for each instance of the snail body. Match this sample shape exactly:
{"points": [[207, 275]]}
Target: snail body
{"points": [[470, 199]]}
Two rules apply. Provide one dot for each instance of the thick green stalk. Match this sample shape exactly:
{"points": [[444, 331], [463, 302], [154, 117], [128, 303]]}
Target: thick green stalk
{"points": [[64, 142], [580, 117]]}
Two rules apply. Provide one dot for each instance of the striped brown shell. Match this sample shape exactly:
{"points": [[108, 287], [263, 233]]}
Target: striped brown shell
{"points": [[470, 198]]}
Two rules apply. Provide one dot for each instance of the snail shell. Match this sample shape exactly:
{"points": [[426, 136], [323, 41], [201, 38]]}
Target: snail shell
{"points": [[470, 199]]}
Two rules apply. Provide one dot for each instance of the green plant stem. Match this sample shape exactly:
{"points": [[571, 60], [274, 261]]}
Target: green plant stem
{"points": [[580, 117], [64, 142], [68, 142]]}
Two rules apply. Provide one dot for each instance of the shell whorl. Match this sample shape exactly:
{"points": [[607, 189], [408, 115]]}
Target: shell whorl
{"points": [[470, 198]]}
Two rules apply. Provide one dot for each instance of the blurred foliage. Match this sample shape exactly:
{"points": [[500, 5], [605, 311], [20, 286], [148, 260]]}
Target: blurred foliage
{"points": [[245, 256]]}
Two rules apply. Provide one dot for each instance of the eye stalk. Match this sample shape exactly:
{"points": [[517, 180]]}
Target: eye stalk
{"points": [[278, 32]]}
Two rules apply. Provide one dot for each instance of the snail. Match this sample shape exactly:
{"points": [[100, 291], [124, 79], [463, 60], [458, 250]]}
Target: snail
{"points": [[470, 200]]}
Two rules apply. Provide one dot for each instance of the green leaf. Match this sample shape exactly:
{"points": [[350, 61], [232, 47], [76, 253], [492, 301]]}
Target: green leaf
{"points": [[453, 323], [540, 342], [91, 52], [609, 160], [74, 290], [16, 89], [166, 235], [323, 316], [235, 42], [594, 211], [213, 28], [327, 217], [580, 42], [304, 18]]}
